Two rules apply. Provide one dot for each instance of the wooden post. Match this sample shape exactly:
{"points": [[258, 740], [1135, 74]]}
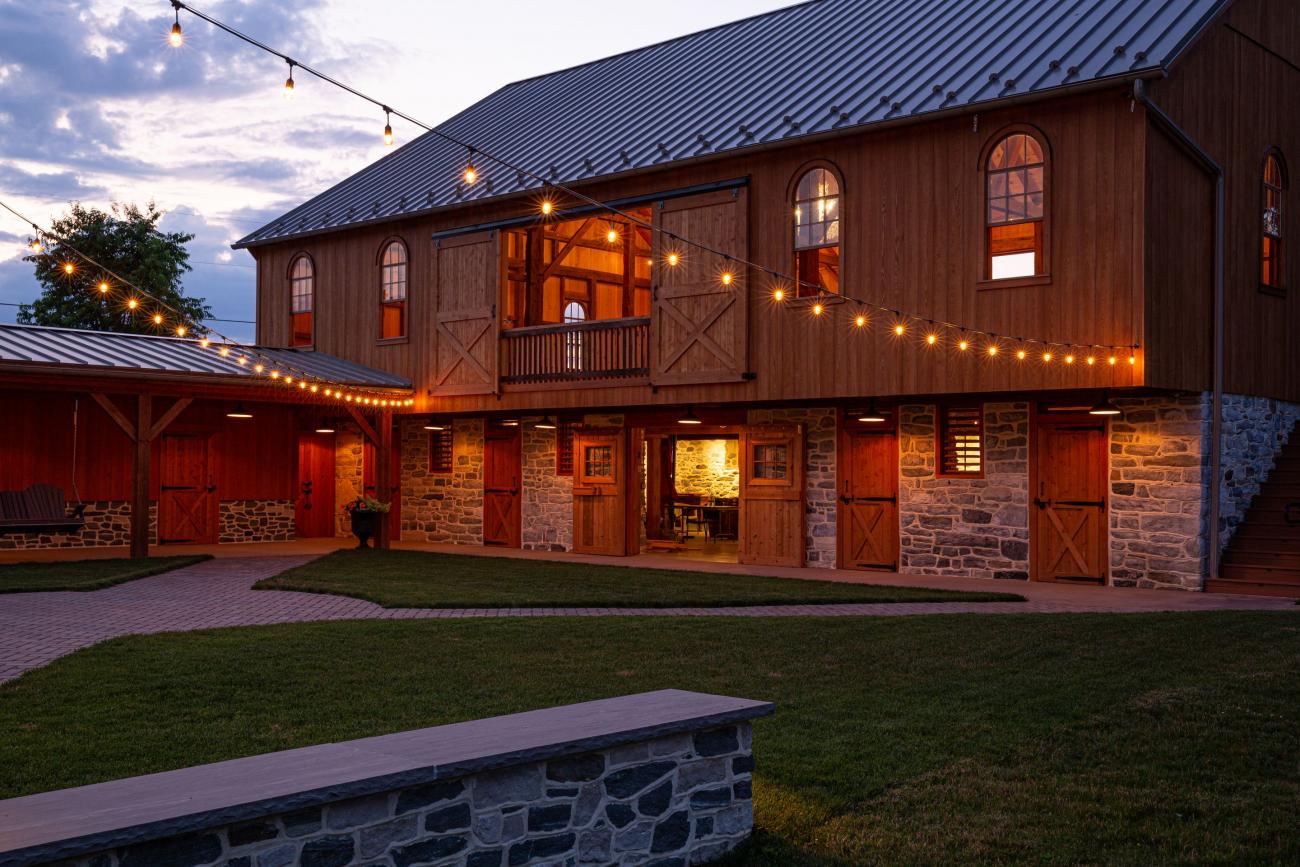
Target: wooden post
{"points": [[384, 475], [140, 477]]}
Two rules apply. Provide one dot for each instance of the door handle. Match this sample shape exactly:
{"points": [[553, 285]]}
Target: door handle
{"points": [[1042, 504], [1096, 503], [212, 489]]}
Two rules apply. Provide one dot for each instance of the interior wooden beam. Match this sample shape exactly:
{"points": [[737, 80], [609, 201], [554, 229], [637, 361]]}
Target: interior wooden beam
{"points": [[110, 408], [366, 429], [567, 248]]}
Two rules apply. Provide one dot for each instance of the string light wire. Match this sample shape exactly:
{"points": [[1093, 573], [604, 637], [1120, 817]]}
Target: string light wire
{"points": [[902, 320], [105, 286]]}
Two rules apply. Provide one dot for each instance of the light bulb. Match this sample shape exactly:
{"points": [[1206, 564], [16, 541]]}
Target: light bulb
{"points": [[778, 294], [103, 287], [673, 259], [180, 330], [860, 321], [157, 319], [817, 309], [1132, 359], [288, 87], [176, 38], [34, 245], [204, 343], [1091, 361], [963, 345], [1047, 357], [388, 134], [932, 339], [131, 304], [727, 278], [69, 268], [225, 350], [993, 349], [899, 329], [1111, 361], [612, 235], [548, 207], [1069, 359], [1020, 356]]}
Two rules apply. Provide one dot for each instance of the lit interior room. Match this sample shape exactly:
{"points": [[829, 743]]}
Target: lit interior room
{"points": [[692, 496]]}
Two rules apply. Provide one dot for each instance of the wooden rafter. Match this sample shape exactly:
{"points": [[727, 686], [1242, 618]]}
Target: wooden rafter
{"points": [[110, 408], [567, 248], [169, 416]]}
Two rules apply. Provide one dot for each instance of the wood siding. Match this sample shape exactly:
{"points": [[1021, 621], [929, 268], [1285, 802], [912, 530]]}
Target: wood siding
{"points": [[1235, 93], [913, 240]]}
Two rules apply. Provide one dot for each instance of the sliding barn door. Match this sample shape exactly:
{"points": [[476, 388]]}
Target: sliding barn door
{"points": [[771, 495], [700, 325], [599, 492], [187, 501], [465, 354]]}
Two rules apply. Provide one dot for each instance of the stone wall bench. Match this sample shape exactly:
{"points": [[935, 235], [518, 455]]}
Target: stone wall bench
{"points": [[660, 778]]}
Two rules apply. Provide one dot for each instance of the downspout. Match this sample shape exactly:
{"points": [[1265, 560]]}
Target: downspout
{"points": [[1216, 410]]}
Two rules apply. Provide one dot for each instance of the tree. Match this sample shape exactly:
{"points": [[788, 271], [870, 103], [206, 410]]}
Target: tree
{"points": [[127, 242]]}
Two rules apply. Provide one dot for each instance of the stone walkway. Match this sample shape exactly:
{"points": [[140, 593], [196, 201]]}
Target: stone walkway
{"points": [[37, 628]]}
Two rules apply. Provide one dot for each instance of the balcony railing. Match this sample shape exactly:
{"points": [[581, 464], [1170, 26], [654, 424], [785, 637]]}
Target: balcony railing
{"points": [[576, 352]]}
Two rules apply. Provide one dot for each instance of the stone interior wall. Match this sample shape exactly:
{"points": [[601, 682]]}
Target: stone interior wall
{"points": [[678, 800], [1159, 475], [819, 468], [1254, 431], [547, 498], [257, 521], [108, 524], [443, 507], [349, 481], [710, 468], [972, 527]]}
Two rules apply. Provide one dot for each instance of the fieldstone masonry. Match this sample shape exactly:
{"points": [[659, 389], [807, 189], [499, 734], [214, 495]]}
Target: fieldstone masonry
{"points": [[1254, 431], [108, 524], [257, 521], [678, 800], [547, 498], [820, 499], [349, 478], [1159, 473], [710, 468], [443, 507], [972, 527]]}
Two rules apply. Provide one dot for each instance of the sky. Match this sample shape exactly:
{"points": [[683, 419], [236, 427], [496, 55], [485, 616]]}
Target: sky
{"points": [[95, 106]]}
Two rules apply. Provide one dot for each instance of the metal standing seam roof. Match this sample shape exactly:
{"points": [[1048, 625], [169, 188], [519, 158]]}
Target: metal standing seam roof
{"points": [[107, 352], [818, 67]]}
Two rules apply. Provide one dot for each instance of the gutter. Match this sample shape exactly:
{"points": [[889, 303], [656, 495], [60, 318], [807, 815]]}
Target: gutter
{"points": [[1212, 167]]}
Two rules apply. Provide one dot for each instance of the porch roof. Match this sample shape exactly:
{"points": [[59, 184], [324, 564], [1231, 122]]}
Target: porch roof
{"points": [[810, 69], [67, 351]]}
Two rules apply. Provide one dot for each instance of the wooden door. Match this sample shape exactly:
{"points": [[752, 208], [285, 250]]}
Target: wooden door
{"points": [[600, 492], [314, 508], [465, 352], [700, 323], [368, 463], [771, 495], [187, 500], [1068, 533], [501, 484], [868, 514]]}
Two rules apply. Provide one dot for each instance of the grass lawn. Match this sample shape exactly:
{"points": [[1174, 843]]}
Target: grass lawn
{"points": [[416, 579], [86, 574], [1115, 739]]}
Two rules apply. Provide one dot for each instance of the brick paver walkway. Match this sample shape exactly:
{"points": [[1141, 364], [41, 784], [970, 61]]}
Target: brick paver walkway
{"points": [[37, 628]]}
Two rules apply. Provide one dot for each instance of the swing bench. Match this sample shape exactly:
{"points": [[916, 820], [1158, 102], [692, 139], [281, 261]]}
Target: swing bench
{"points": [[38, 509]]}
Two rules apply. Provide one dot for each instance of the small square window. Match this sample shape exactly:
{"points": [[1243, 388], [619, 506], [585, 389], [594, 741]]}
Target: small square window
{"points": [[770, 462], [598, 462], [961, 441], [440, 451]]}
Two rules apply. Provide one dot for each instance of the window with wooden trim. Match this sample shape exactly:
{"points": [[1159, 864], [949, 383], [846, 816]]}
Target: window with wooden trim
{"points": [[392, 298], [440, 450], [961, 441], [302, 301], [564, 447], [769, 462], [1270, 269], [817, 232], [1015, 208]]}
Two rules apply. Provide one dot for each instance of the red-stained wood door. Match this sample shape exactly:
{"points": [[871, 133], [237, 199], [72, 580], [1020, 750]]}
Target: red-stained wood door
{"points": [[187, 492], [1068, 531], [394, 485], [868, 516], [501, 487], [771, 495], [314, 507], [600, 492]]}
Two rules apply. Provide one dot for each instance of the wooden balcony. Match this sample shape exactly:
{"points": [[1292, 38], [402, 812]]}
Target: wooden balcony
{"points": [[581, 352]]}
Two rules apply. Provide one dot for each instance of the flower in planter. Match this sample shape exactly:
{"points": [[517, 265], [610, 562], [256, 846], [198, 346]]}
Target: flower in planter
{"points": [[367, 504]]}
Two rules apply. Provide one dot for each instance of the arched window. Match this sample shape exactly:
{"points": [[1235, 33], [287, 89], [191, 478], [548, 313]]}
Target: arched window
{"points": [[817, 232], [1270, 271], [392, 291], [1016, 176], [302, 301], [574, 312]]}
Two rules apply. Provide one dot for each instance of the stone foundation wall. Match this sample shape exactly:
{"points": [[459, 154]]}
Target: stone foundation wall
{"points": [[678, 800], [349, 478], [443, 507], [1254, 431], [257, 521], [1159, 475], [972, 527], [710, 468], [108, 524], [547, 499], [821, 503]]}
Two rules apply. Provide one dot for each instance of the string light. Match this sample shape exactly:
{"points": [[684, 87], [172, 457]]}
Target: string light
{"points": [[1020, 356], [963, 345], [176, 38], [1047, 358], [778, 295], [611, 236], [69, 268], [1111, 361], [388, 127], [34, 245], [132, 303], [470, 174], [548, 207], [899, 330], [157, 319], [288, 82], [993, 350], [1091, 361], [1069, 359], [818, 309], [931, 338], [180, 330], [727, 277], [673, 259], [1132, 359], [103, 287], [860, 321]]}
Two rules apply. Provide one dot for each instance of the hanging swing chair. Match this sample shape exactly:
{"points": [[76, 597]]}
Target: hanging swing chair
{"points": [[41, 508]]}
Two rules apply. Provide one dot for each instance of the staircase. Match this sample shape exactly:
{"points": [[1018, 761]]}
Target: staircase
{"points": [[1263, 556]]}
